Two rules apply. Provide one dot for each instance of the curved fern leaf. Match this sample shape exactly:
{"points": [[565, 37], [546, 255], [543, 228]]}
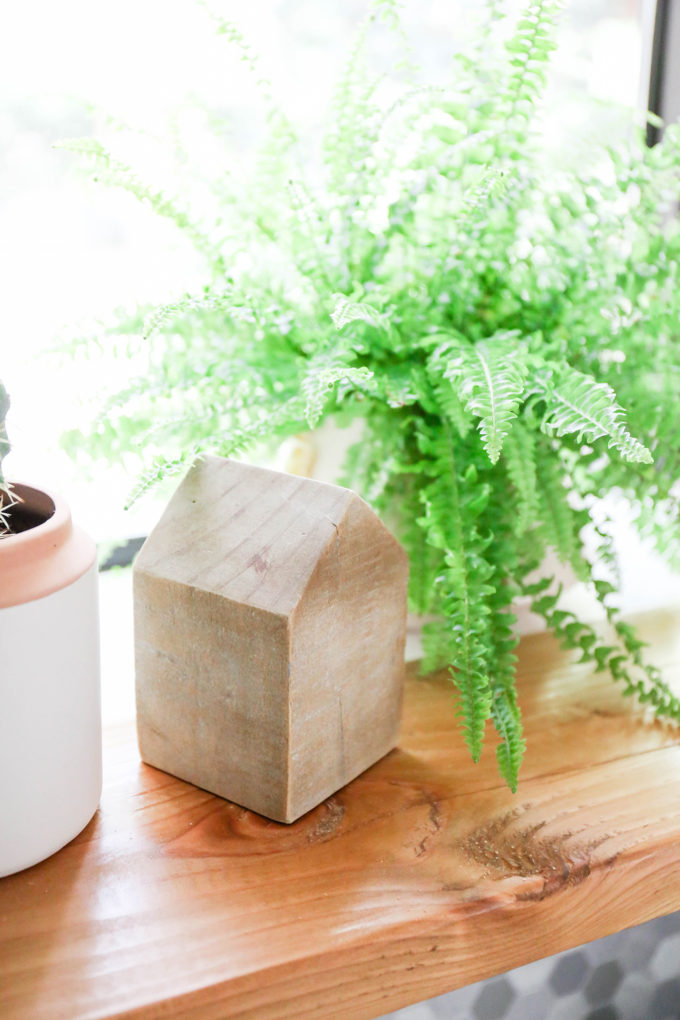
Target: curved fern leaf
{"points": [[576, 403], [520, 462], [346, 311], [113, 171], [320, 380], [450, 405], [623, 660], [490, 376], [510, 751], [558, 523], [453, 503], [283, 418]]}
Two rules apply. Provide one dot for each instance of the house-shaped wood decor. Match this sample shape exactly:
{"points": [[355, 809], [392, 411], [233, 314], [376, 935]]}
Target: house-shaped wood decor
{"points": [[270, 615]]}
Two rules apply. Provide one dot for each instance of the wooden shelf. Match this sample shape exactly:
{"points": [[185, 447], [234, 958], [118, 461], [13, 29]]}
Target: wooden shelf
{"points": [[424, 874]]}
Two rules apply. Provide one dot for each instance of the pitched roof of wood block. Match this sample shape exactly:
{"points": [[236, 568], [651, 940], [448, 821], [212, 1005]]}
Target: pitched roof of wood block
{"points": [[249, 534]]}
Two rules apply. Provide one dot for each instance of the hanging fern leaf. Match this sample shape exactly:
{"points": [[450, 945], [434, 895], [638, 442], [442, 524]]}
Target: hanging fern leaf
{"points": [[113, 171], [449, 404], [321, 378], [452, 508], [519, 452], [576, 403], [490, 378], [558, 525], [505, 711], [346, 311], [510, 751], [623, 659]]}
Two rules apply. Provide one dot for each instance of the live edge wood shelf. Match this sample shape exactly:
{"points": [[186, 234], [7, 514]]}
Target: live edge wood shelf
{"points": [[424, 874]]}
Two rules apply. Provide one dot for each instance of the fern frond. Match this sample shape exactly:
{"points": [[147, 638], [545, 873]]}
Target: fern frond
{"points": [[576, 403], [461, 586], [530, 47], [321, 378], [308, 240], [286, 418], [357, 117], [167, 314], [490, 378], [557, 522], [519, 451], [505, 711], [164, 467], [503, 556], [345, 311], [281, 128], [114, 172], [450, 405], [660, 522], [623, 660], [507, 721]]}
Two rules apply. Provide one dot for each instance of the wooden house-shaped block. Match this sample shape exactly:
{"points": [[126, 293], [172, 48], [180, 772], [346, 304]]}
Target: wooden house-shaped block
{"points": [[270, 616]]}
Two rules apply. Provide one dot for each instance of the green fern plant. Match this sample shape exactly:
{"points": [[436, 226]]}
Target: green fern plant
{"points": [[487, 318]]}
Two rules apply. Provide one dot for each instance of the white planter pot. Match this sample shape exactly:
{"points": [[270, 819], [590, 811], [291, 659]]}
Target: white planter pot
{"points": [[50, 718]]}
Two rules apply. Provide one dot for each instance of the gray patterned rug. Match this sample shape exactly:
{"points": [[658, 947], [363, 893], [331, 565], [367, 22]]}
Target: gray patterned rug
{"points": [[634, 975]]}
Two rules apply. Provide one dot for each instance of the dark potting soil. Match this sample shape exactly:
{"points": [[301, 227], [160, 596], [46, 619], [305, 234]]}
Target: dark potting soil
{"points": [[23, 518]]}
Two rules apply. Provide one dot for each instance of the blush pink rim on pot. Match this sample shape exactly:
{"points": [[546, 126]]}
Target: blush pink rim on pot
{"points": [[50, 715]]}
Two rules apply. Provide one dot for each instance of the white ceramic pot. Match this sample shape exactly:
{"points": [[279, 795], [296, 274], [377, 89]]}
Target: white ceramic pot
{"points": [[50, 717]]}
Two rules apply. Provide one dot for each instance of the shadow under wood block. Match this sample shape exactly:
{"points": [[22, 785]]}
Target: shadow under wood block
{"points": [[270, 616]]}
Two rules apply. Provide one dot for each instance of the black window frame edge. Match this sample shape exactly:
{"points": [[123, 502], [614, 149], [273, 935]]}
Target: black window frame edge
{"points": [[123, 554], [657, 68]]}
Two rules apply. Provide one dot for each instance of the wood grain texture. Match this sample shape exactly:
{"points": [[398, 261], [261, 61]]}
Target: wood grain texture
{"points": [[270, 621], [422, 875]]}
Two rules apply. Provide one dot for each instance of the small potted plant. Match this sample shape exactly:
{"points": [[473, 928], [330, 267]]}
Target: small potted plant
{"points": [[485, 315], [50, 726]]}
